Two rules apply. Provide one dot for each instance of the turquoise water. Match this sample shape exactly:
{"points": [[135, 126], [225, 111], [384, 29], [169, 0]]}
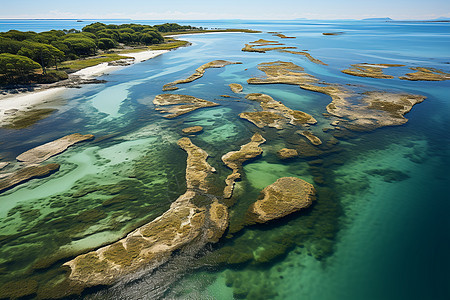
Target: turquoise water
{"points": [[380, 226]]}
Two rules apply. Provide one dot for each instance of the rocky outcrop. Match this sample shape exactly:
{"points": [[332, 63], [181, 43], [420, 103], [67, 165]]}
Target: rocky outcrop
{"points": [[197, 169], [264, 42], [199, 72], [26, 174], [311, 137], [307, 55], [192, 130], [3, 164], [236, 87], [282, 72], [251, 48], [373, 110], [426, 74], [275, 114], [285, 196], [360, 111], [257, 46], [176, 105], [370, 70], [286, 153], [151, 245], [280, 35], [333, 33], [44, 152], [235, 159]]}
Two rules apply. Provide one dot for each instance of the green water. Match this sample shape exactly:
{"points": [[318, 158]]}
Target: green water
{"points": [[378, 230]]}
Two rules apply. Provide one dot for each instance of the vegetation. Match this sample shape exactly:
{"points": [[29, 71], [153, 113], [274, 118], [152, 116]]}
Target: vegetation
{"points": [[26, 56], [79, 64], [16, 66]]}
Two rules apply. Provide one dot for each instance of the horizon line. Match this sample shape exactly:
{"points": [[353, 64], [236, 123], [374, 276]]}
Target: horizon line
{"points": [[166, 19]]}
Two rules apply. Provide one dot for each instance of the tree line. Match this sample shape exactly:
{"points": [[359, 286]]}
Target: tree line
{"points": [[27, 56]]}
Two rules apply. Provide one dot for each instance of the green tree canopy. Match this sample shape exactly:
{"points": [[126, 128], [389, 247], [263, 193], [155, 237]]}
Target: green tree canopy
{"points": [[81, 45], [19, 35], [10, 46], [46, 55], [16, 68], [105, 43]]}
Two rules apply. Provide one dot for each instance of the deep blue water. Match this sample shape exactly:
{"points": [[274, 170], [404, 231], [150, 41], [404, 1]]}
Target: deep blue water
{"points": [[392, 236]]}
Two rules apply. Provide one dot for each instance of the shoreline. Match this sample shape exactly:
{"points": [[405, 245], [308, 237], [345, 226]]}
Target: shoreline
{"points": [[14, 104]]}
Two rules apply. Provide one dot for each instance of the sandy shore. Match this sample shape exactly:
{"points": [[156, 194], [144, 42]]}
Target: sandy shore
{"points": [[104, 68], [199, 33], [10, 105]]}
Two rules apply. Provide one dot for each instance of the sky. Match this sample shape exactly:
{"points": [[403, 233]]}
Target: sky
{"points": [[225, 9]]}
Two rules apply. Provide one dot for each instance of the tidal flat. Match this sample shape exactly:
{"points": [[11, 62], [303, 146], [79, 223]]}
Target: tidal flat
{"points": [[305, 183]]}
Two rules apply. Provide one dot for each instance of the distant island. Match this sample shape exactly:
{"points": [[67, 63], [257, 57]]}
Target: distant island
{"points": [[378, 19]]}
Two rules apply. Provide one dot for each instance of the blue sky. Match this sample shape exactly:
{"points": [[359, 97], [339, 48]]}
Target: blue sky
{"points": [[226, 9]]}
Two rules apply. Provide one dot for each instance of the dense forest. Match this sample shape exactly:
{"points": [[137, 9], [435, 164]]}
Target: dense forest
{"points": [[34, 57]]}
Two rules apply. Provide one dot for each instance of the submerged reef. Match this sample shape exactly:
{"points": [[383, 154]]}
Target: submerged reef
{"points": [[374, 109], [260, 43], [192, 130], [251, 47], [275, 114], [280, 35], [44, 152], [33, 157], [285, 196], [25, 119], [236, 87], [370, 70], [360, 111], [286, 153], [305, 54], [426, 74], [199, 72], [151, 245], [235, 159], [311, 137], [310, 231], [175, 105], [282, 72], [333, 33], [25, 174]]}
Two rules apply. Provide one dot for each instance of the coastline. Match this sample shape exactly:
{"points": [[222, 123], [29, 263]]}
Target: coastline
{"points": [[12, 104]]}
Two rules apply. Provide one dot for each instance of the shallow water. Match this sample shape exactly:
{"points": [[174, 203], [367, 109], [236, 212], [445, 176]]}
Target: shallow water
{"points": [[378, 230]]}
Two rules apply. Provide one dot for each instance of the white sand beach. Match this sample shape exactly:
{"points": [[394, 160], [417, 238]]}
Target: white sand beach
{"points": [[104, 68], [10, 105]]}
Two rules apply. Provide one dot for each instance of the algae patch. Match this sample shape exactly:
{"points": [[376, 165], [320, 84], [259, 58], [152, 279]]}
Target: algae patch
{"points": [[174, 105], [199, 72]]}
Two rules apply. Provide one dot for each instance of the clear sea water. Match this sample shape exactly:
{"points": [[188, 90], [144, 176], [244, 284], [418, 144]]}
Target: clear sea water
{"points": [[380, 228]]}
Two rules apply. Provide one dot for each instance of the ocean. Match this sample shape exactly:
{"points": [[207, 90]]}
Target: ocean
{"points": [[380, 228]]}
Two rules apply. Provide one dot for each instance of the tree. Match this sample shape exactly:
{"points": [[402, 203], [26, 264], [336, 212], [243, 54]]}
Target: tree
{"points": [[94, 27], [19, 35], [9, 45], [81, 45], [46, 55], [16, 68], [105, 43]]}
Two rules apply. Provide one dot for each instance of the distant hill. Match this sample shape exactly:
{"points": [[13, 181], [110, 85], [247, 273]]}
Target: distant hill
{"points": [[377, 19], [441, 19]]}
